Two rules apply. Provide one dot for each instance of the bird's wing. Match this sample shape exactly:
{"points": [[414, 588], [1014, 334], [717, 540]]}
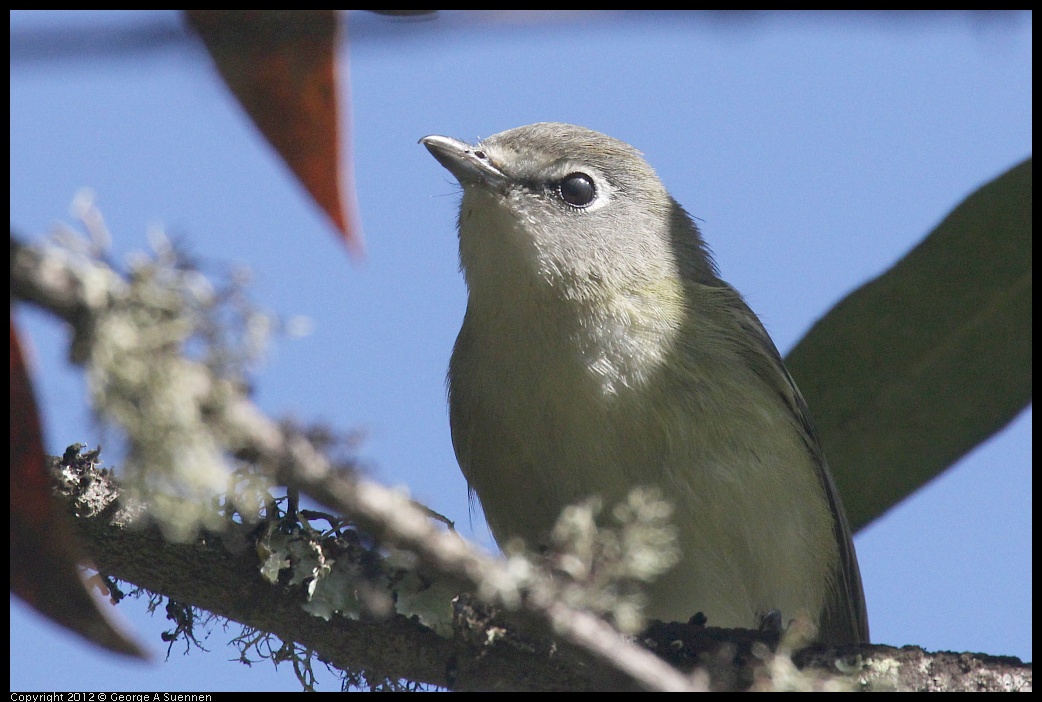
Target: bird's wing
{"points": [[845, 619]]}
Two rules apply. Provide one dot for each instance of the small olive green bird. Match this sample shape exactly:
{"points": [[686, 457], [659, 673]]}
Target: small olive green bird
{"points": [[601, 351]]}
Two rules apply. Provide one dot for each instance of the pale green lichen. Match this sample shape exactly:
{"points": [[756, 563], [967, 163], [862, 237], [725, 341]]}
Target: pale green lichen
{"points": [[165, 352]]}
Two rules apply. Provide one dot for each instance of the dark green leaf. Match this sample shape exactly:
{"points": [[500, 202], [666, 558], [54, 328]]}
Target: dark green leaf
{"points": [[915, 368]]}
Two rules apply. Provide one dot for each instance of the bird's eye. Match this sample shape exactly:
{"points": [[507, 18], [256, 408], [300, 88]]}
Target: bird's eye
{"points": [[577, 189]]}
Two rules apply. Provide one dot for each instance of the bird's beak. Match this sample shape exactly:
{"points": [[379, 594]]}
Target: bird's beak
{"points": [[469, 164]]}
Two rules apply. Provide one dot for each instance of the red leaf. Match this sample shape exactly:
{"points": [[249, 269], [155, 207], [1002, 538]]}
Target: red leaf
{"points": [[281, 65], [44, 551]]}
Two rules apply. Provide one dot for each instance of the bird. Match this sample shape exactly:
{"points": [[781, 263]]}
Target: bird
{"points": [[601, 351]]}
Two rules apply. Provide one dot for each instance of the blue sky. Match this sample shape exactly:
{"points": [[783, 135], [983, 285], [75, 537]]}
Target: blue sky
{"points": [[816, 151]]}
